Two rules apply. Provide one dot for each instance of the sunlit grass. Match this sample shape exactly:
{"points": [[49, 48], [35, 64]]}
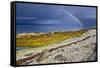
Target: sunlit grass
{"points": [[46, 39]]}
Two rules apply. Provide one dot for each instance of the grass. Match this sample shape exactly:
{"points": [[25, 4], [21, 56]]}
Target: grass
{"points": [[46, 39]]}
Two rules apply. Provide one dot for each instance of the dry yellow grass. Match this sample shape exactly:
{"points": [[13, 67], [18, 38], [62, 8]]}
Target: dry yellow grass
{"points": [[46, 39]]}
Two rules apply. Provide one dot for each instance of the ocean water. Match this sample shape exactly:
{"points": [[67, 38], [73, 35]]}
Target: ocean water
{"points": [[21, 48]]}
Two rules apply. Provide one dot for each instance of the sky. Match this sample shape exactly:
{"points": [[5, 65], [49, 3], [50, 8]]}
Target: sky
{"points": [[53, 18]]}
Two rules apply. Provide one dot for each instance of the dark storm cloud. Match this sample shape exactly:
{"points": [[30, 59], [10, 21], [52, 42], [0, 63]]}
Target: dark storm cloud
{"points": [[46, 18]]}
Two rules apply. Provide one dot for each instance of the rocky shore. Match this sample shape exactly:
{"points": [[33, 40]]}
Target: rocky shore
{"points": [[74, 49]]}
